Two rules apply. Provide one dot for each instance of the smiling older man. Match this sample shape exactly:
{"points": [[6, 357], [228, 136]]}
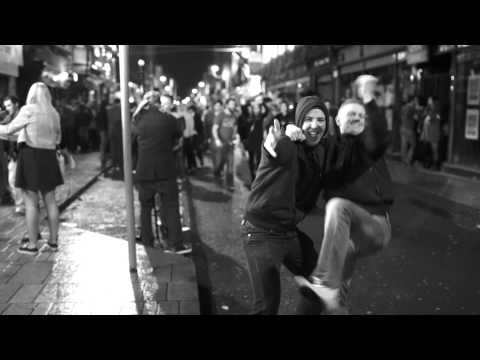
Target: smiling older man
{"points": [[357, 222]]}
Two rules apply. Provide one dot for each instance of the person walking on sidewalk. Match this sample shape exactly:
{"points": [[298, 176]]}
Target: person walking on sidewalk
{"points": [[255, 138], [357, 221], [214, 150], [189, 134], [408, 127], [167, 105], [156, 173], [114, 121], [432, 130], [102, 126], [38, 124], [225, 134], [12, 105]]}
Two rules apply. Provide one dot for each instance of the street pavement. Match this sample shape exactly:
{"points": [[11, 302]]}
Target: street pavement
{"points": [[90, 273], [430, 267]]}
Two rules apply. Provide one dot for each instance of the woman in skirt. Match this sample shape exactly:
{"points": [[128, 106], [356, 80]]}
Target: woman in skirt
{"points": [[38, 128]]}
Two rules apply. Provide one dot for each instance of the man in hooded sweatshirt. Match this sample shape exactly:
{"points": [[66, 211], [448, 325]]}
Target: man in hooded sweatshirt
{"points": [[289, 179]]}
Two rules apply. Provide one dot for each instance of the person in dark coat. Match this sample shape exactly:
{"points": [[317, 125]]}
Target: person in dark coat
{"points": [[255, 138], [357, 221], [102, 127], [157, 133], [114, 119]]}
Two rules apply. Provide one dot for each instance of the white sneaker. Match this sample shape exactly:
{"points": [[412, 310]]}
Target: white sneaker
{"points": [[329, 296]]}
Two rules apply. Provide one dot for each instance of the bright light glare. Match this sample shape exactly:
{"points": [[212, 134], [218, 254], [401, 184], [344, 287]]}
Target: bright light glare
{"points": [[141, 62], [163, 79], [201, 84]]}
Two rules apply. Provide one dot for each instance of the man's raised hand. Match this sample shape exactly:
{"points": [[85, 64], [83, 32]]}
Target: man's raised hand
{"points": [[294, 133]]}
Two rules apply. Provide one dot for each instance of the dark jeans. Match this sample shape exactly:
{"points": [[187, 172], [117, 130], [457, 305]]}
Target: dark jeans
{"points": [[253, 161], [103, 149], [189, 151], [408, 144], [225, 157], [180, 164], [199, 146], [266, 251], [116, 146], [168, 194], [70, 139]]}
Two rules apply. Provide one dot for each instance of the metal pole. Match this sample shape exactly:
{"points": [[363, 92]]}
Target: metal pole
{"points": [[127, 156], [452, 112]]}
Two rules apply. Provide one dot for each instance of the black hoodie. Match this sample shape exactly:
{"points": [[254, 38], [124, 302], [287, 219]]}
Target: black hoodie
{"points": [[272, 202]]}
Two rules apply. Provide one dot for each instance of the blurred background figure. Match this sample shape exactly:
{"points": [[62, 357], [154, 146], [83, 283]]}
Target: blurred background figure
{"points": [[114, 120], [432, 130], [9, 194]]}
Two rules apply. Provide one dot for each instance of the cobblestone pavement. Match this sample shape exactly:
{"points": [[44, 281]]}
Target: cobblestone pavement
{"points": [[90, 273]]}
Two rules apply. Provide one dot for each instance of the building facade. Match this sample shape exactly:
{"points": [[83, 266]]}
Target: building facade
{"points": [[11, 59], [449, 72]]}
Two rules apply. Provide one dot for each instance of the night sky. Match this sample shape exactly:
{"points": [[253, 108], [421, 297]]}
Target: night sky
{"points": [[186, 66]]}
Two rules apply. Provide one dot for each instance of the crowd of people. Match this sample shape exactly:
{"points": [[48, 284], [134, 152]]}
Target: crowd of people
{"points": [[295, 153], [423, 133]]}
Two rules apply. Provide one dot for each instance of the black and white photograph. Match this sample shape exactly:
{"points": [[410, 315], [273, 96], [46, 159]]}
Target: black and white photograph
{"points": [[239, 179]]}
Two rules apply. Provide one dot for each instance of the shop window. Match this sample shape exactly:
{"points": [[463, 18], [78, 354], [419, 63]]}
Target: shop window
{"points": [[466, 142]]}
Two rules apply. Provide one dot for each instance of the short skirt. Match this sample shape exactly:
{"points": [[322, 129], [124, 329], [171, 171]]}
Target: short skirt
{"points": [[37, 169]]}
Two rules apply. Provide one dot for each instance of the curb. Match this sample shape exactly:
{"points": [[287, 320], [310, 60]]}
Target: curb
{"points": [[76, 194]]}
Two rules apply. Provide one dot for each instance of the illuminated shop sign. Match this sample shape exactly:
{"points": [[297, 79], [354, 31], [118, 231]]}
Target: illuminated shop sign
{"points": [[417, 54], [12, 54], [321, 62]]}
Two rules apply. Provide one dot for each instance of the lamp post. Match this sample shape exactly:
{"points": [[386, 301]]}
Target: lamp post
{"points": [[141, 64], [127, 156]]}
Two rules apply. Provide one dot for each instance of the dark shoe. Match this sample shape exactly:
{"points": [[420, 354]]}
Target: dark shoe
{"points": [[24, 249], [181, 250]]}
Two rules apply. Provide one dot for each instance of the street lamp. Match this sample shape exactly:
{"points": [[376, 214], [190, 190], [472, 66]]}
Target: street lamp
{"points": [[201, 84]]}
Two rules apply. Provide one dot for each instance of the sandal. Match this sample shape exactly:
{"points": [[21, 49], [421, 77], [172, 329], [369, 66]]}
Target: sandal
{"points": [[49, 247], [24, 249]]}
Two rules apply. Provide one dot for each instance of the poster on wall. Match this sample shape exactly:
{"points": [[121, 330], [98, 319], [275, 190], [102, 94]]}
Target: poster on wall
{"points": [[473, 90], [471, 124]]}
